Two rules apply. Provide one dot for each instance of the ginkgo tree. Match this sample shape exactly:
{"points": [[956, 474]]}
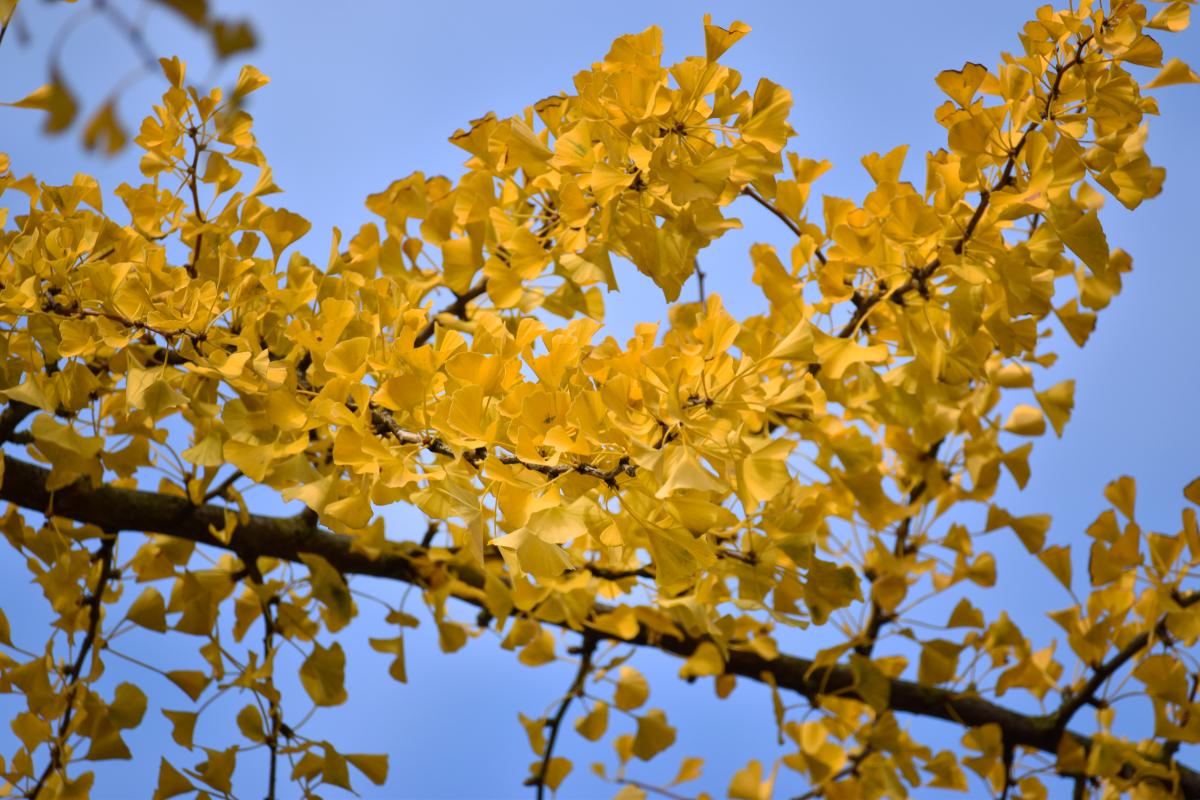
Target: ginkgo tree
{"points": [[704, 488]]}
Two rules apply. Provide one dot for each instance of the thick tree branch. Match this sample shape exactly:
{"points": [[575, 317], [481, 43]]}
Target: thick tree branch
{"points": [[119, 510], [13, 415]]}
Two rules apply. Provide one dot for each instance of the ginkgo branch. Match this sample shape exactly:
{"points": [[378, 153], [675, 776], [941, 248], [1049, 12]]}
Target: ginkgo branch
{"points": [[749, 191], [1088, 693], [5, 23], [845, 772], [74, 672], [224, 486], [273, 709], [192, 181], [458, 308], [901, 549], [13, 415], [129, 510], [384, 424], [576, 690], [918, 280], [52, 305], [651, 788]]}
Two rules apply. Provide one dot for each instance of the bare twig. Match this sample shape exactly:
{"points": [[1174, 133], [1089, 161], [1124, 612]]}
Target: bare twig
{"points": [[750, 192], [576, 690], [221, 488], [74, 673], [900, 549], [649, 787], [272, 699], [192, 180], [458, 308]]}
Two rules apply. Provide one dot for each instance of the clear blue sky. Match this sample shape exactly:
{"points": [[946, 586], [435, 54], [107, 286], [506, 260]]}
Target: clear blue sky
{"points": [[366, 92]]}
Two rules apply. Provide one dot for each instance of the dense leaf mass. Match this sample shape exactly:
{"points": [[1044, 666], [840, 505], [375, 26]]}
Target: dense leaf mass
{"points": [[699, 488]]}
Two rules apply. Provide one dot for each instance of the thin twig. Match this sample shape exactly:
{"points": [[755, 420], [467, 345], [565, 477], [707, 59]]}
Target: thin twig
{"points": [[458, 308], [74, 673], [55, 307], [221, 488], [845, 772], [272, 699], [901, 549], [919, 278], [192, 180], [4, 25], [1087, 695], [750, 192], [576, 690], [649, 787]]}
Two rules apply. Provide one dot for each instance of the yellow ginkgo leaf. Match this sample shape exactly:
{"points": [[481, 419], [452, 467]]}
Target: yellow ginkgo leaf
{"points": [[1026, 420], [836, 354], [323, 675], [653, 735], [1175, 72], [717, 39], [632, 689], [53, 98]]}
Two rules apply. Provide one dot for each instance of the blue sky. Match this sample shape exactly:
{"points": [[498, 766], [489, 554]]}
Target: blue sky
{"points": [[367, 92]]}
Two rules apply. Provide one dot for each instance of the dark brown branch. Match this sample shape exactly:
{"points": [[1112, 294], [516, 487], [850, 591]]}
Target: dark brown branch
{"points": [[900, 549], [287, 537], [1088, 694], [386, 425], [4, 25], [919, 278], [458, 308], [13, 415], [192, 179], [221, 488], [845, 772], [749, 191], [272, 699], [74, 673], [53, 306], [576, 690], [609, 574]]}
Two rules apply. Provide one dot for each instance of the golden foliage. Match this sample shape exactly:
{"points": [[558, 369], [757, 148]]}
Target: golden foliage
{"points": [[693, 488]]}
